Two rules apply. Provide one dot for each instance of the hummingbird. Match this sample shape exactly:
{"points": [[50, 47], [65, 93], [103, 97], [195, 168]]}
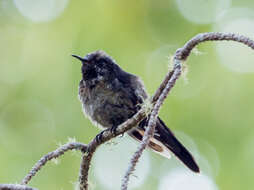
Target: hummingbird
{"points": [[110, 96]]}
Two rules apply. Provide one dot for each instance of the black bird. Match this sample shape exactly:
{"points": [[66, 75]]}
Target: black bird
{"points": [[110, 96]]}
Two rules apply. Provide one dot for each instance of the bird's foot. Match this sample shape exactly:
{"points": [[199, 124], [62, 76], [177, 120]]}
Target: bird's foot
{"points": [[113, 130], [99, 137]]}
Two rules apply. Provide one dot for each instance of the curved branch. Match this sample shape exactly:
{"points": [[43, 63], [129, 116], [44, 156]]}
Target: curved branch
{"points": [[58, 152], [108, 135], [157, 100], [15, 187], [149, 132], [180, 55], [184, 52]]}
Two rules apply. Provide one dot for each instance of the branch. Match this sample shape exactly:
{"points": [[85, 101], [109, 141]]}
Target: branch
{"points": [[15, 187], [157, 100], [58, 152], [108, 135], [180, 56], [151, 124], [184, 52]]}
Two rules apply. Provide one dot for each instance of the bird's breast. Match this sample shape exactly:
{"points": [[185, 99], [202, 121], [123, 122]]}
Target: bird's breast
{"points": [[105, 106], [93, 103]]}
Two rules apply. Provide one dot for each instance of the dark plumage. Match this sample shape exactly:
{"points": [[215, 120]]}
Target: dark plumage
{"points": [[110, 96]]}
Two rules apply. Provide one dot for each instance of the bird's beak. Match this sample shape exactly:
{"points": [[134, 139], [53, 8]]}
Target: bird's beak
{"points": [[80, 58]]}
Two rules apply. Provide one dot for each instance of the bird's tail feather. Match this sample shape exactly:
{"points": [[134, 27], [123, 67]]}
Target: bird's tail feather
{"points": [[164, 141]]}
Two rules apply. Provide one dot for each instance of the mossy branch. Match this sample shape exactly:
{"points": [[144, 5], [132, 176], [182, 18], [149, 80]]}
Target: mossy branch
{"points": [[157, 101]]}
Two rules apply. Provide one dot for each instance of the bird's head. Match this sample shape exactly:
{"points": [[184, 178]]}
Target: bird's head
{"points": [[97, 66]]}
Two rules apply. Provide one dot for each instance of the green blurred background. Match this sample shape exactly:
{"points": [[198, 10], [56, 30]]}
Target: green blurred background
{"points": [[210, 109]]}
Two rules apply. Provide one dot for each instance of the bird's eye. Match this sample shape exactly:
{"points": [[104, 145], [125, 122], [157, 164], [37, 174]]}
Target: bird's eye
{"points": [[90, 74]]}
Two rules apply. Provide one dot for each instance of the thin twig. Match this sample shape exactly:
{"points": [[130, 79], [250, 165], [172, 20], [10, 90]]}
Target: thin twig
{"points": [[149, 132], [180, 55], [157, 100], [58, 152], [15, 187], [108, 135]]}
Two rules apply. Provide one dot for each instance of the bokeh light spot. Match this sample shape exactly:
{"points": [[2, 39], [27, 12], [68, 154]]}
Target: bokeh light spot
{"points": [[181, 180], [111, 162], [158, 64], [235, 56], [202, 11], [40, 10]]}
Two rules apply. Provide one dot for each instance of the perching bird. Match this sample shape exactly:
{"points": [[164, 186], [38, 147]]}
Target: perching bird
{"points": [[110, 96]]}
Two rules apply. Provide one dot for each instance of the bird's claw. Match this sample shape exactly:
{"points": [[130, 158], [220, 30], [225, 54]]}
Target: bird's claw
{"points": [[99, 137], [113, 130]]}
